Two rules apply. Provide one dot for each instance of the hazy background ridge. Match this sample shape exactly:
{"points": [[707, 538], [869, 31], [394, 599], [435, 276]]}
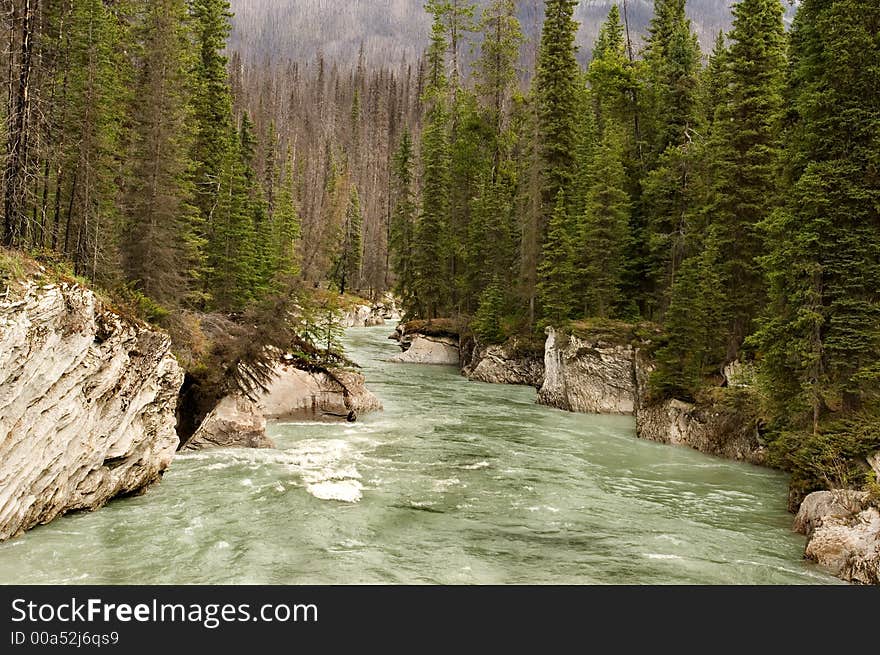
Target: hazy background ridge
{"points": [[393, 31]]}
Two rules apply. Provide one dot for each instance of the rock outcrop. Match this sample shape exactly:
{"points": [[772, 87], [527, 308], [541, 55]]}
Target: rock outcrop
{"points": [[442, 351], [874, 463], [428, 342], [317, 396], [235, 423], [509, 363], [708, 427], [593, 373], [87, 405], [843, 530], [360, 316]]}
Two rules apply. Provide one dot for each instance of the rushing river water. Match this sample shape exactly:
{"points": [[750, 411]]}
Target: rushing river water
{"points": [[455, 482]]}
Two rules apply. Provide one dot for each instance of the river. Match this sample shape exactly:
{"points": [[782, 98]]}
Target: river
{"points": [[454, 483]]}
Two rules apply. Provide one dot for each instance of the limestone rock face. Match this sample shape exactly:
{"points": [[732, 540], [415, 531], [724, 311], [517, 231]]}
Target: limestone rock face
{"points": [[87, 405], [236, 422], [874, 463], [592, 376], [844, 534], [708, 428], [323, 396], [503, 364], [360, 316], [423, 349]]}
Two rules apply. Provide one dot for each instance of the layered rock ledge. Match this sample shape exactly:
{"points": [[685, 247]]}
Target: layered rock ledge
{"points": [[711, 428], [325, 395], [428, 342], [594, 371], [87, 405], [514, 362]]}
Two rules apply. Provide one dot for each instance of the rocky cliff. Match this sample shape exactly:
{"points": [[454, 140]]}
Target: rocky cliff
{"points": [[87, 405], [710, 427], [594, 371]]}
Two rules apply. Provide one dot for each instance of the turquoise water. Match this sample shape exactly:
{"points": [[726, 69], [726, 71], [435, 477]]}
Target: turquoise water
{"points": [[454, 483]]}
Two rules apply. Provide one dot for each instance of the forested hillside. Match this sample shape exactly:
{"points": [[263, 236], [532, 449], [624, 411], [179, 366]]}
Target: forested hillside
{"points": [[727, 195], [396, 31]]}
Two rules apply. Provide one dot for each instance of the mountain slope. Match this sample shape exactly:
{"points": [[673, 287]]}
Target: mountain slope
{"points": [[395, 30]]}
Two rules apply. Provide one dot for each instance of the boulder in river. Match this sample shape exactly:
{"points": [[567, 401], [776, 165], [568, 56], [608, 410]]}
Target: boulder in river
{"points": [[843, 530], [428, 342], [236, 422], [87, 405], [319, 395]]}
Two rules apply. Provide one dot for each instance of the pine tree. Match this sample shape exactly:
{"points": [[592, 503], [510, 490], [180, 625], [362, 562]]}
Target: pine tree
{"points": [[604, 233], [160, 245], [821, 332], [556, 274]]}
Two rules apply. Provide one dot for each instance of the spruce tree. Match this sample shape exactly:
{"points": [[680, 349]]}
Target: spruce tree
{"points": [[557, 99], [216, 147], [434, 283], [348, 263], [605, 230], [403, 225], [820, 334], [556, 274], [695, 327], [496, 71], [610, 74], [286, 220], [672, 57], [432, 251], [161, 250], [746, 145], [94, 110], [487, 323]]}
